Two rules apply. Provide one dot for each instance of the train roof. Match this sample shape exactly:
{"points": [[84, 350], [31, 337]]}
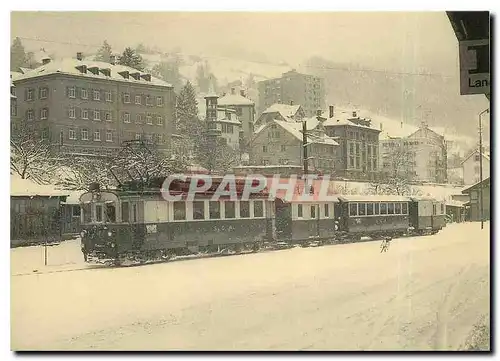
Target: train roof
{"points": [[422, 198], [373, 198]]}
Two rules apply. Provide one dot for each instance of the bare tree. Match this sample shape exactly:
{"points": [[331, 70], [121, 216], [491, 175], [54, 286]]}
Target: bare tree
{"points": [[79, 172], [30, 155]]}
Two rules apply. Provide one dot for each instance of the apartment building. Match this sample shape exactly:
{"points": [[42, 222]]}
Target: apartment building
{"points": [[471, 167], [358, 151], [91, 107], [244, 109], [280, 142], [421, 156], [306, 90]]}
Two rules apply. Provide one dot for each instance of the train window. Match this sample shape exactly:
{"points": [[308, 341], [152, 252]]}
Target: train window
{"points": [[244, 209], [362, 209], [86, 213], [383, 208], [313, 212], [353, 209], [214, 209], [134, 212], [377, 208], [442, 208], [199, 210], [390, 208], [110, 212], [369, 209], [433, 209], [397, 208], [258, 209], [179, 211], [229, 211], [75, 211], [125, 212], [327, 211], [98, 213], [300, 213], [405, 208]]}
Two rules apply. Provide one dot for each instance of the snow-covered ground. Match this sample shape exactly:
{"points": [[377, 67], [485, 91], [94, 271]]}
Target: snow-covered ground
{"points": [[425, 293]]}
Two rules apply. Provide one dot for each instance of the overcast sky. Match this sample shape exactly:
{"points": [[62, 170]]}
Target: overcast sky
{"points": [[395, 41]]}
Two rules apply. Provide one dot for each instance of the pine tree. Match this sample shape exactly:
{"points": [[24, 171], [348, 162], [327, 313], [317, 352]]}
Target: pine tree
{"points": [[18, 55], [131, 59], [169, 72], [187, 123], [104, 53]]}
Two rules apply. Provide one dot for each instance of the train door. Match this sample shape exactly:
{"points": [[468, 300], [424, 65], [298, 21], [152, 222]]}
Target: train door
{"points": [[413, 214], [341, 212], [283, 220]]}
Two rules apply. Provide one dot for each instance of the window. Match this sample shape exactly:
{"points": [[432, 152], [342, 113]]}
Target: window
{"points": [[397, 208], [108, 97], [214, 209], [30, 94], [138, 118], [199, 210], [97, 115], [85, 94], [405, 208], [377, 209], [43, 93], [159, 101], [327, 211], [434, 210], [137, 99], [97, 136], [85, 114], [148, 119], [137, 136], [85, 134], [126, 98], [264, 149], [72, 134], [283, 148], [98, 213], [229, 211], [76, 211], [134, 212], [383, 208], [300, 211], [258, 209], [125, 212], [159, 120], [353, 209], [148, 100], [45, 134], [44, 113], [72, 113], [108, 116], [442, 208], [71, 92], [390, 208], [109, 136], [86, 213], [313, 211], [29, 114], [110, 212], [362, 209], [476, 158], [369, 209], [126, 117], [244, 209], [96, 95]]}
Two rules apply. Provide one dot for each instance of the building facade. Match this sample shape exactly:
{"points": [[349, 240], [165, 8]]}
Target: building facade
{"points": [[358, 151], [420, 156], [471, 167], [474, 193], [306, 90], [92, 107]]}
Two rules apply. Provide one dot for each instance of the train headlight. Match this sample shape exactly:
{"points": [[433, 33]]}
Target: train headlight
{"points": [[110, 233], [83, 233]]}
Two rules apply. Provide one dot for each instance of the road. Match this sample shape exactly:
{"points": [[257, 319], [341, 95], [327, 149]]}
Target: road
{"points": [[425, 293]]}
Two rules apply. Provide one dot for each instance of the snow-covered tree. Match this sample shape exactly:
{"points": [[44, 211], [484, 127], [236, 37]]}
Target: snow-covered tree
{"points": [[79, 172], [130, 58], [216, 158], [104, 53], [187, 121]]}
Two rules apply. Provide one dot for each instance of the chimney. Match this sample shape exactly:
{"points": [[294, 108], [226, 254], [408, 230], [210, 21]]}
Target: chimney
{"points": [[291, 102], [242, 93], [354, 114], [318, 113], [79, 56], [112, 59], [331, 111], [232, 91]]}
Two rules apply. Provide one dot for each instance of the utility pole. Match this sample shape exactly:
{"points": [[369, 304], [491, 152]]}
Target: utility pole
{"points": [[481, 166]]}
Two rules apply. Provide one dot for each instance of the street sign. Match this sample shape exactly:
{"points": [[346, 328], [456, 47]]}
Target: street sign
{"points": [[474, 67]]}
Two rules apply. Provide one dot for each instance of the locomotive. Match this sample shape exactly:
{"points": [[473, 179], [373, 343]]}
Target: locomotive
{"points": [[135, 224]]}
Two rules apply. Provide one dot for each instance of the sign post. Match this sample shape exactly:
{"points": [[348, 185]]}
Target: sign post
{"points": [[475, 67]]}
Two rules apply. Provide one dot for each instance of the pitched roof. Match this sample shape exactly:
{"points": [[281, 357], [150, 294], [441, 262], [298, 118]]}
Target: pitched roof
{"points": [[345, 117], [69, 66], [295, 129], [285, 110], [468, 188], [485, 154], [234, 99], [26, 188]]}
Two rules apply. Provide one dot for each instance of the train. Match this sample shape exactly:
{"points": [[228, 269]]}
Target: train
{"points": [[135, 224]]}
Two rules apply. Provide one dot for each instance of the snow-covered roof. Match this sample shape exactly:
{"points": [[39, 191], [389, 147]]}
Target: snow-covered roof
{"points": [[14, 75], [373, 198], [234, 99], [452, 203], [295, 128], [69, 66], [73, 198], [485, 155], [26, 188], [468, 188], [344, 117], [287, 111]]}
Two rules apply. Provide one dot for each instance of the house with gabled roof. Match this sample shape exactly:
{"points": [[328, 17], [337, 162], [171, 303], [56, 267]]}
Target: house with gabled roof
{"points": [[283, 112], [471, 167]]}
